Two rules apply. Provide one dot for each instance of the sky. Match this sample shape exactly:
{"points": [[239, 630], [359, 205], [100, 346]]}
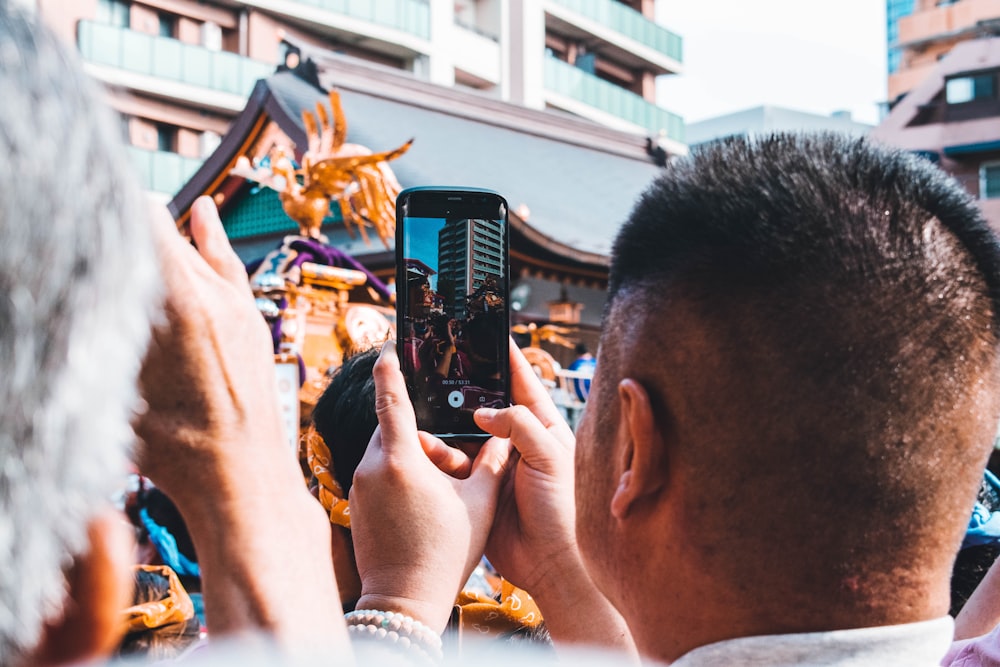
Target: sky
{"points": [[811, 56], [422, 242]]}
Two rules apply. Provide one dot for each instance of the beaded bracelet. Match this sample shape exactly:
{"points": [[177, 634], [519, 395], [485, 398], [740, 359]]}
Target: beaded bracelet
{"points": [[397, 629]]}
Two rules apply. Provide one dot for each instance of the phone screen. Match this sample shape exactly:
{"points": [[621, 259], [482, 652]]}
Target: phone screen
{"points": [[452, 296]]}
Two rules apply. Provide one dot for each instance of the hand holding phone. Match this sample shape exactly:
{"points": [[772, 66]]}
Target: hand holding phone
{"points": [[452, 296]]}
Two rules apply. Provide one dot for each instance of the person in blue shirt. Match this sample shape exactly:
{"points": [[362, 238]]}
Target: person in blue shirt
{"points": [[585, 362]]}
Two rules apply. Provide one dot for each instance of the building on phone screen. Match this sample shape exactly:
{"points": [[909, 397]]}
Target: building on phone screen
{"points": [[470, 253]]}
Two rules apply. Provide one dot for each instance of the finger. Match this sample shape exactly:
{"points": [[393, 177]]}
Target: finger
{"points": [[492, 462], [527, 390], [539, 447], [449, 460], [180, 265], [396, 418], [170, 245], [213, 244]]}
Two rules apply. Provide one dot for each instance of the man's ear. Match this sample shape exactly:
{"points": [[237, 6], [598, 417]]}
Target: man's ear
{"points": [[642, 449], [100, 587]]}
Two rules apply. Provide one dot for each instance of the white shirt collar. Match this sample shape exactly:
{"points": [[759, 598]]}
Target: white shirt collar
{"points": [[907, 645]]}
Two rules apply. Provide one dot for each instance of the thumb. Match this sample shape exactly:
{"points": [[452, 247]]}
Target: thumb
{"points": [[397, 421], [538, 447], [213, 244]]}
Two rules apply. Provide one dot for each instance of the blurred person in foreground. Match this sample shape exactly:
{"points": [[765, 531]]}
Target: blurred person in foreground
{"points": [[85, 273], [795, 397]]}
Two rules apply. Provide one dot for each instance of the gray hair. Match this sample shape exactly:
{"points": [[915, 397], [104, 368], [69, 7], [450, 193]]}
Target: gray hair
{"points": [[78, 286]]}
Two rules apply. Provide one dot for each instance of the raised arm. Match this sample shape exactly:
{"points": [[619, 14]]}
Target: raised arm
{"points": [[213, 441], [533, 542]]}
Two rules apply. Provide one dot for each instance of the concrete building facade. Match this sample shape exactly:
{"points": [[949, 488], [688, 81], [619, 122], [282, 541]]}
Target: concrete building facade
{"points": [[179, 71], [921, 32], [765, 119], [469, 252], [953, 119]]}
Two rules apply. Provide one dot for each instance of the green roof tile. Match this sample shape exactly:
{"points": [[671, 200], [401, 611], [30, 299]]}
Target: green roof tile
{"points": [[260, 213]]}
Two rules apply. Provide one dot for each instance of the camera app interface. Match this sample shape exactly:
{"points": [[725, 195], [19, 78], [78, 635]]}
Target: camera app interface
{"points": [[456, 323]]}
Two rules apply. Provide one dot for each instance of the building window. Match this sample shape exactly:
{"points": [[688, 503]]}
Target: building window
{"points": [[113, 12], [989, 180], [125, 127], [971, 88], [166, 138], [168, 25]]}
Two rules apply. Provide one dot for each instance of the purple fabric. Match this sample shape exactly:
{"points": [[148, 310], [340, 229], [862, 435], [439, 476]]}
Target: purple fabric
{"points": [[275, 325], [311, 250], [253, 265]]}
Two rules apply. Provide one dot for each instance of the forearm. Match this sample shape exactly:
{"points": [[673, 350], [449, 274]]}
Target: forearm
{"points": [[444, 366], [576, 612], [265, 557]]}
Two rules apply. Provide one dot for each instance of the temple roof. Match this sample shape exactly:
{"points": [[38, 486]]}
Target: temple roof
{"points": [[570, 183]]}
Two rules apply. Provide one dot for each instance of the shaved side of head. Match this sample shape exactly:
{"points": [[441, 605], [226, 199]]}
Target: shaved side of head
{"points": [[818, 324]]}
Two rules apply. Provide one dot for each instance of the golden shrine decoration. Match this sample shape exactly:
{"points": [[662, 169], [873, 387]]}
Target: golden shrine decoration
{"points": [[358, 180]]}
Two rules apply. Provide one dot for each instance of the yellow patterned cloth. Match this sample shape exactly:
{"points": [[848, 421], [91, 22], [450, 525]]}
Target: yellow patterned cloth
{"points": [[321, 465], [175, 608], [483, 616]]}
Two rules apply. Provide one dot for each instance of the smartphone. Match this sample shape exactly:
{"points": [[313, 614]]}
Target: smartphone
{"points": [[452, 306]]}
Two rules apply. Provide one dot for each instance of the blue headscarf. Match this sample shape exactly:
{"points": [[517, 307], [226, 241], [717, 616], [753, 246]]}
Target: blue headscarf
{"points": [[166, 545], [984, 525]]}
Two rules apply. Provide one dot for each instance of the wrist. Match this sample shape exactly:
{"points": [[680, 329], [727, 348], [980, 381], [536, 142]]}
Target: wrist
{"points": [[429, 614], [247, 570], [397, 629], [571, 595], [230, 466]]}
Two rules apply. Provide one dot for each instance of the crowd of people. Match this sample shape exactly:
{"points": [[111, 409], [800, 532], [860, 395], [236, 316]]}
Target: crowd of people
{"points": [[796, 393]]}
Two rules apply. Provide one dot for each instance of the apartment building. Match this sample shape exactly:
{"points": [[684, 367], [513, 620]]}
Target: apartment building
{"points": [[765, 119], [179, 71], [919, 33], [953, 119]]}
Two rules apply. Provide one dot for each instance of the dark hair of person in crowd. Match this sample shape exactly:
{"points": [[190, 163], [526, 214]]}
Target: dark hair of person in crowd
{"points": [[161, 643], [164, 513], [832, 303], [345, 414], [530, 637], [973, 562]]}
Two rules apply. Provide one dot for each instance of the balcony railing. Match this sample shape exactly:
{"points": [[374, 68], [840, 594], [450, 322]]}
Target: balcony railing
{"points": [[565, 79], [630, 23], [166, 58], [410, 16], [162, 172]]}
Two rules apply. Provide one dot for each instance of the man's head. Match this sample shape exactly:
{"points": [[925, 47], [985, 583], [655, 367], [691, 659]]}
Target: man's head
{"points": [[345, 414], [77, 276], [345, 419], [796, 389]]}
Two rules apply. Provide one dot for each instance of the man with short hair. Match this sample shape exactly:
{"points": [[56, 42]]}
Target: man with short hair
{"points": [[795, 397]]}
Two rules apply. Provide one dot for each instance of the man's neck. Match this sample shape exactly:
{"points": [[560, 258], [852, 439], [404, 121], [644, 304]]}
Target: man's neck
{"points": [[695, 610]]}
